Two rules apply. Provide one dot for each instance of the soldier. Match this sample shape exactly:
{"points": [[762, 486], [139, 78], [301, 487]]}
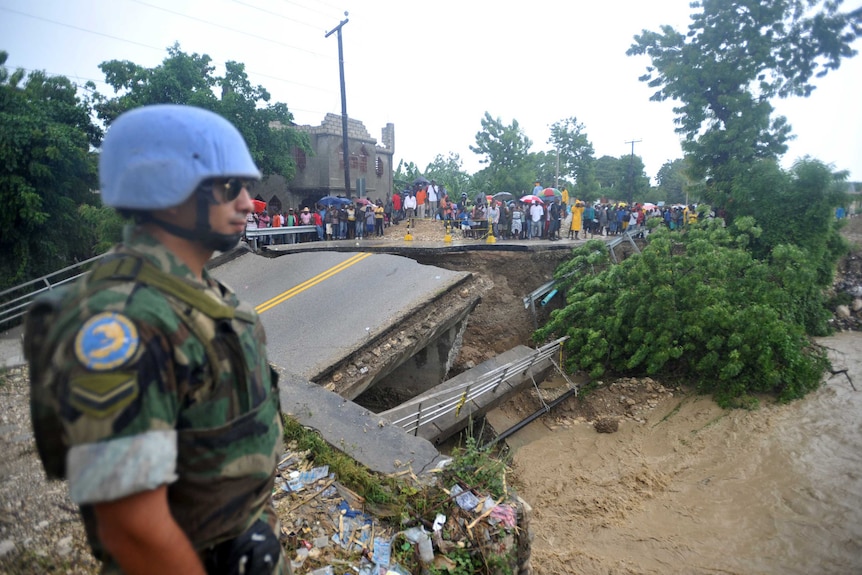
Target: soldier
{"points": [[151, 389]]}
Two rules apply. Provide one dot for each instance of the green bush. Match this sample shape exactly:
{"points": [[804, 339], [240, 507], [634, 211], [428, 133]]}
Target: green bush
{"points": [[698, 306]]}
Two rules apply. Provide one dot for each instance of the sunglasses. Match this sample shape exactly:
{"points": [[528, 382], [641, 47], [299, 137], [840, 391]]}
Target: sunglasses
{"points": [[233, 188]]}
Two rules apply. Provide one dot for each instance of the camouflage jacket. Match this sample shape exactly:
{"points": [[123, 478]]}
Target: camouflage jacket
{"points": [[142, 406]]}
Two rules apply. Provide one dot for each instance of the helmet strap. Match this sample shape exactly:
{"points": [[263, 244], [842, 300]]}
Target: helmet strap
{"points": [[202, 231]]}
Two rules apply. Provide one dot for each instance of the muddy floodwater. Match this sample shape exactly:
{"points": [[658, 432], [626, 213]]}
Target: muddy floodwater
{"points": [[697, 489]]}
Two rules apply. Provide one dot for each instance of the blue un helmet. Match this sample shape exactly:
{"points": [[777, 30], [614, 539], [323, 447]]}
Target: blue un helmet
{"points": [[155, 157]]}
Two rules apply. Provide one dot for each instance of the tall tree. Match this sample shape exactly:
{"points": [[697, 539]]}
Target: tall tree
{"points": [[736, 56], [621, 178], [449, 172], [189, 79], [541, 166], [505, 151], [575, 153], [610, 175], [673, 183], [47, 171]]}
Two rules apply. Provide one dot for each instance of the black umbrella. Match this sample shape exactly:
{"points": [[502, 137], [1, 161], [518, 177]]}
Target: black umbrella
{"points": [[333, 201], [420, 181]]}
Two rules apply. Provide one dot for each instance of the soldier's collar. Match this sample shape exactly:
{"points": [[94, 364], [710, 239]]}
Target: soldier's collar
{"points": [[136, 239]]}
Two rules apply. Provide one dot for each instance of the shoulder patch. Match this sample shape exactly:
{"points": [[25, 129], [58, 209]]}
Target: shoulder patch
{"points": [[106, 341]]}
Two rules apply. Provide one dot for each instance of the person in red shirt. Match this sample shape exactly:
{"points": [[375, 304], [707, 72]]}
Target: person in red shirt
{"points": [[396, 207], [318, 221]]}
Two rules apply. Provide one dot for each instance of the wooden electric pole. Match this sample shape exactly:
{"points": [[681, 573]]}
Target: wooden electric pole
{"points": [[344, 147]]}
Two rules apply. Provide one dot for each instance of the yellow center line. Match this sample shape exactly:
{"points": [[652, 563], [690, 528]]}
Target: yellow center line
{"points": [[283, 297]]}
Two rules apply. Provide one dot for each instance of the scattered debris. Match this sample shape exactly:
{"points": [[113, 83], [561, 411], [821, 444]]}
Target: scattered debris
{"points": [[328, 528]]}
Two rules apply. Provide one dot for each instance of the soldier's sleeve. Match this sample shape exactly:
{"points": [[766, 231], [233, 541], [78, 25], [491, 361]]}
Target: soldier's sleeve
{"points": [[119, 406]]}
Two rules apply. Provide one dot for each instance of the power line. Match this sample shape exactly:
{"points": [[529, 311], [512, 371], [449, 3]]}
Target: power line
{"points": [[229, 29], [265, 11], [88, 31], [310, 9], [80, 28]]}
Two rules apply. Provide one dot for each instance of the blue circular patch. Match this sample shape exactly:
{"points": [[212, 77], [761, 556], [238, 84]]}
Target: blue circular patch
{"points": [[105, 341]]}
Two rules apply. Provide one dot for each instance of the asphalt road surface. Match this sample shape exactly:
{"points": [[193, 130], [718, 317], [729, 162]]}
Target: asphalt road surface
{"points": [[319, 307]]}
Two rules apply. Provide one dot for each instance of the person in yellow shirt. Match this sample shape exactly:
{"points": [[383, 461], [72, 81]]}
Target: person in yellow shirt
{"points": [[690, 215], [577, 219]]}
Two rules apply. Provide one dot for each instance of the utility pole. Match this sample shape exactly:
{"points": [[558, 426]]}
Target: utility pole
{"points": [[631, 169], [344, 148], [557, 172]]}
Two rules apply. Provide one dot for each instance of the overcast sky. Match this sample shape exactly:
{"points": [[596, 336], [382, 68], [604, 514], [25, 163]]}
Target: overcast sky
{"points": [[431, 68]]}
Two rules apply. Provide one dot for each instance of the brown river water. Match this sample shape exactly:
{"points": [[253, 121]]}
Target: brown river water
{"points": [[697, 489]]}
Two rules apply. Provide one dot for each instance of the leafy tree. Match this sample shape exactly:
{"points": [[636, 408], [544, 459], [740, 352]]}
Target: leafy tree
{"points": [[106, 224], [621, 178], [449, 173], [796, 208], [673, 183], [47, 170], [541, 166], [610, 173], [189, 79], [735, 57], [576, 160], [505, 151], [404, 175], [695, 306], [636, 184]]}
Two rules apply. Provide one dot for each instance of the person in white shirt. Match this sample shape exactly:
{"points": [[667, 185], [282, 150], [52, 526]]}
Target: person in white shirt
{"points": [[494, 219], [433, 198], [410, 205], [536, 212]]}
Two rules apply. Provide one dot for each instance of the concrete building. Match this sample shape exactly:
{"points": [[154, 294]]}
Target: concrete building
{"points": [[321, 173]]}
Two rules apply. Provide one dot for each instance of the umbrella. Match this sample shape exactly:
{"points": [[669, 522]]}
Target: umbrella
{"points": [[363, 201], [530, 199], [420, 181], [259, 206], [551, 193], [503, 196], [333, 201], [649, 206]]}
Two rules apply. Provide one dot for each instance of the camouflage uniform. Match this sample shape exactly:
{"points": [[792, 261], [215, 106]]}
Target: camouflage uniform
{"points": [[141, 407]]}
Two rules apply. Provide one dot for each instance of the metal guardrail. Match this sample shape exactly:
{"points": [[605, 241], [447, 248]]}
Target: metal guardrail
{"points": [[434, 406], [282, 231], [546, 288], [15, 300], [254, 235]]}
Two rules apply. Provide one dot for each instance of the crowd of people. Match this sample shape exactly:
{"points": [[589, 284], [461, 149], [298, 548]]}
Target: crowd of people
{"points": [[357, 219], [508, 219]]}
